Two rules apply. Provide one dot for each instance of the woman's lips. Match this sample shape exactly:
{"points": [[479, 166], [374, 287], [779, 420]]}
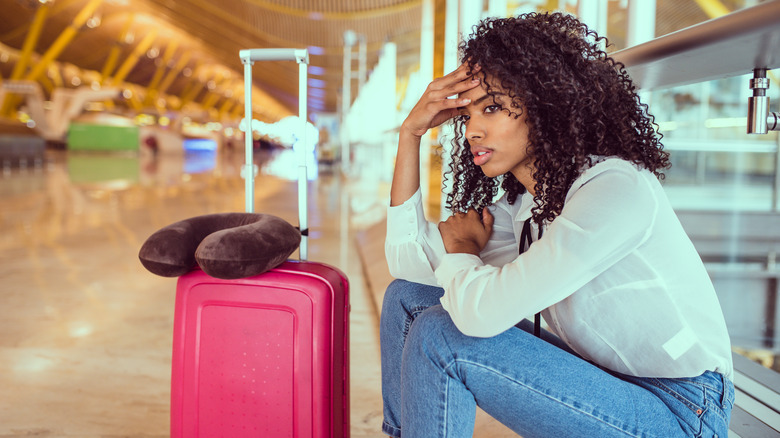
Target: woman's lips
{"points": [[482, 156]]}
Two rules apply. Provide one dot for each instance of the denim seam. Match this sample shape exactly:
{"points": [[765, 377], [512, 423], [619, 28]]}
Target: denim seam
{"points": [[445, 411], [692, 406], [412, 315], [706, 385], [449, 374], [390, 430], [717, 409], [530, 388]]}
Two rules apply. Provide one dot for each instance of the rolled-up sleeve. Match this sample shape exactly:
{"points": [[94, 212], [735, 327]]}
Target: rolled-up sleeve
{"points": [[413, 246]]}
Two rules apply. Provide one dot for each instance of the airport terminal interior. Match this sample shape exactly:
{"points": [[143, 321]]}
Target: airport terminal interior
{"points": [[120, 117]]}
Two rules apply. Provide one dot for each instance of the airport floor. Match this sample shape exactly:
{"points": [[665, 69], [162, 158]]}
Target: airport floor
{"points": [[86, 331]]}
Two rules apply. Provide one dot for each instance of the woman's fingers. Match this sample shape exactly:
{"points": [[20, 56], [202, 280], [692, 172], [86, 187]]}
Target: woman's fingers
{"points": [[444, 87], [435, 106], [487, 221], [466, 232]]}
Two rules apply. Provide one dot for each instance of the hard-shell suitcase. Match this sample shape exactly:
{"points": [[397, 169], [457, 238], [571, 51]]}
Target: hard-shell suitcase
{"points": [[268, 355]]}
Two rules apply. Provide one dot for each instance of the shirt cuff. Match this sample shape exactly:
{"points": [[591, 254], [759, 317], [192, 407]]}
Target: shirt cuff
{"points": [[405, 221]]}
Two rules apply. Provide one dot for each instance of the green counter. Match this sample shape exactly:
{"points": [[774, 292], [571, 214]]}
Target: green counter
{"points": [[90, 137]]}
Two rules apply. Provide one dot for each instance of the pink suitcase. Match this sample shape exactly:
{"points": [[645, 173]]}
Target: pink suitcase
{"points": [[264, 356]]}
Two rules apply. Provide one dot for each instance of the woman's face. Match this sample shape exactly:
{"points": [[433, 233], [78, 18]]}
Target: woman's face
{"points": [[498, 140]]}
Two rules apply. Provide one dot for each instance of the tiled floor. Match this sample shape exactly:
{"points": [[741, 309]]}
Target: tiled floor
{"points": [[85, 331]]}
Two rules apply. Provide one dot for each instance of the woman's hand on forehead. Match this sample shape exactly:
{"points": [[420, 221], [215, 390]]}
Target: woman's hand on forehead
{"points": [[435, 106]]}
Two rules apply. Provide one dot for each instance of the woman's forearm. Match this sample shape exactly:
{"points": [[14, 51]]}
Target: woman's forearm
{"points": [[406, 176]]}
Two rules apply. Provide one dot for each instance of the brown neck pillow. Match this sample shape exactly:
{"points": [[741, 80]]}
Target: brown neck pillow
{"points": [[224, 245]]}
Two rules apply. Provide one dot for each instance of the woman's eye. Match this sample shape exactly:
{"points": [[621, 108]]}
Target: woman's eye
{"points": [[492, 108], [462, 117]]}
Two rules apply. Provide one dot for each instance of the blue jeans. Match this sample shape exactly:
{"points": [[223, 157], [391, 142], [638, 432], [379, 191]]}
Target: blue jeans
{"points": [[434, 377]]}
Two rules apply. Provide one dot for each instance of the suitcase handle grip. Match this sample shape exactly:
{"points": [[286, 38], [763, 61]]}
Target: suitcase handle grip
{"points": [[252, 55]]}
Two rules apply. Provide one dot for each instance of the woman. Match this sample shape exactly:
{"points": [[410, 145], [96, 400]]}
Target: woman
{"points": [[552, 147]]}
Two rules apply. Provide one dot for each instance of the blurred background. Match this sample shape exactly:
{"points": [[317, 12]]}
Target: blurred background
{"points": [[118, 117]]}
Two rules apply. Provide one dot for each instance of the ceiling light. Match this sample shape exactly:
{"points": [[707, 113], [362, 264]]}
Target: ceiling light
{"points": [[93, 22]]}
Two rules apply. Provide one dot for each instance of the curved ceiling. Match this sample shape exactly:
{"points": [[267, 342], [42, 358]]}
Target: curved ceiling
{"points": [[173, 53], [182, 55]]}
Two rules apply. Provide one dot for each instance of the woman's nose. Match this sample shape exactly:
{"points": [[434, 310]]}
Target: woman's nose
{"points": [[474, 132]]}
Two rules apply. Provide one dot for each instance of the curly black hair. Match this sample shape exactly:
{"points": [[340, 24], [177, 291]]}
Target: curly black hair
{"points": [[579, 103]]}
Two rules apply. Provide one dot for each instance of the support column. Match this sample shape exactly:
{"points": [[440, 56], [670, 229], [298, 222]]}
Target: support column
{"points": [[426, 76], [451, 40], [641, 22], [497, 8], [594, 14], [346, 99]]}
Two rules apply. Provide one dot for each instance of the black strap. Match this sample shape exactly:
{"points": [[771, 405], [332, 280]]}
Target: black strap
{"points": [[525, 242]]}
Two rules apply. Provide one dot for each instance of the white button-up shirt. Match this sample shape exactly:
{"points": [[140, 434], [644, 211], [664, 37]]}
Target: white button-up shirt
{"points": [[614, 275]]}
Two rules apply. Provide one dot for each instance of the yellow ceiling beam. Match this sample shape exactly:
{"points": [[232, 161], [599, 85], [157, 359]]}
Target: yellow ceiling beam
{"points": [[116, 50], [135, 102], [151, 89], [47, 84], [223, 110], [10, 101], [211, 99], [191, 92], [238, 111], [63, 40], [713, 8], [56, 76], [357, 15], [240, 23], [180, 64], [132, 60], [30, 41]]}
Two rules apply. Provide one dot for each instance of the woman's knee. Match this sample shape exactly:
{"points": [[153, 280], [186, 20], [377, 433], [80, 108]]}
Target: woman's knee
{"points": [[431, 338], [395, 291], [409, 297], [433, 323]]}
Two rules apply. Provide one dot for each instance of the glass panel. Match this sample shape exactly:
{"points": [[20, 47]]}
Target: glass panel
{"points": [[723, 185]]}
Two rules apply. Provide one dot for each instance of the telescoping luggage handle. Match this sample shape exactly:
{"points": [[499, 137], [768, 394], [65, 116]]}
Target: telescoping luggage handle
{"points": [[301, 56]]}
